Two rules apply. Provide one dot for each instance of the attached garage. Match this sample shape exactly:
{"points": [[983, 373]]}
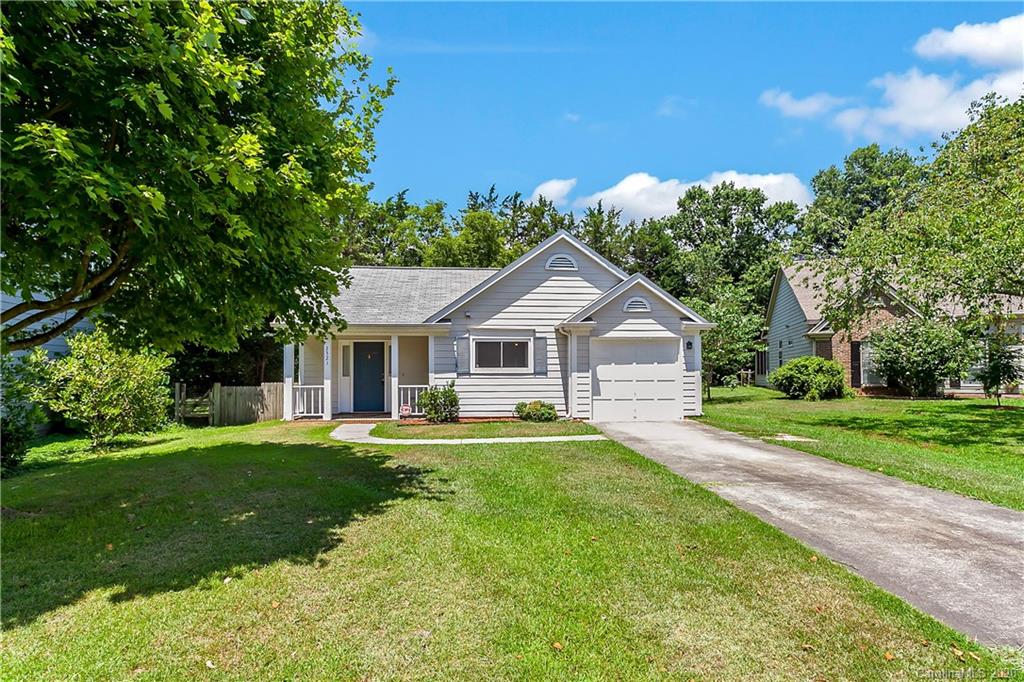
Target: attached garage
{"points": [[636, 379]]}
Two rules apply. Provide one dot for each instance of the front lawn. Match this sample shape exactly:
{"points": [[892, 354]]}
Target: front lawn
{"points": [[391, 429], [966, 446], [272, 552]]}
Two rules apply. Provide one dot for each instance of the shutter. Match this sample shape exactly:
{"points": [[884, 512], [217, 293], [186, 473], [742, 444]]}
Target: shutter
{"points": [[540, 355], [855, 364], [462, 355]]}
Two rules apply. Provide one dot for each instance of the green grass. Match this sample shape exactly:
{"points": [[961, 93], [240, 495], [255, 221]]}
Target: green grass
{"points": [[966, 446], [390, 429], [272, 552]]}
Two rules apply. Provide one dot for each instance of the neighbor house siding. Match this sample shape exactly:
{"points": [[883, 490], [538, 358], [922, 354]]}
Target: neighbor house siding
{"points": [[787, 329], [533, 300]]}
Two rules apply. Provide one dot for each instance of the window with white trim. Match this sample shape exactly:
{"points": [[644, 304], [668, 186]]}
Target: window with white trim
{"points": [[869, 376], [502, 355], [636, 304], [561, 261]]}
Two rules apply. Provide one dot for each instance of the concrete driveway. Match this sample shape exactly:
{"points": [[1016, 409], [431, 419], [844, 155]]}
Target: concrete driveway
{"points": [[958, 559]]}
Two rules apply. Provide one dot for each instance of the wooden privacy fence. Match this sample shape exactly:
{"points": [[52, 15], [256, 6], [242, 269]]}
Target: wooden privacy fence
{"points": [[223, 405]]}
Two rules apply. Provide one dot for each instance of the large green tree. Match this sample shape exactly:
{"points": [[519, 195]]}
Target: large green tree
{"points": [[180, 166], [868, 180], [953, 244], [731, 233]]}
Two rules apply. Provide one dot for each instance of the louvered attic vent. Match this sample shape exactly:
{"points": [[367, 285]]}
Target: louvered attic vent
{"points": [[561, 261], [636, 304]]}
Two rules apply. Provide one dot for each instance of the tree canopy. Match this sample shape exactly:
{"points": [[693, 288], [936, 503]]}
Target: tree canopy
{"points": [[952, 244], [868, 180], [180, 167]]}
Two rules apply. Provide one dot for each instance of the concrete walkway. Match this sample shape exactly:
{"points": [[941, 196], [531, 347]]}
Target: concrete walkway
{"points": [[360, 433], [958, 559]]}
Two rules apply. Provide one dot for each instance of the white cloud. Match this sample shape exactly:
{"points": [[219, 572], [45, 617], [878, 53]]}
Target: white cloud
{"points": [[914, 102], [642, 195], [997, 44], [571, 117], [807, 107], [555, 190]]}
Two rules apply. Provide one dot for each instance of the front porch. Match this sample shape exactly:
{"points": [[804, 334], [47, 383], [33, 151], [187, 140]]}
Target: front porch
{"points": [[358, 376]]}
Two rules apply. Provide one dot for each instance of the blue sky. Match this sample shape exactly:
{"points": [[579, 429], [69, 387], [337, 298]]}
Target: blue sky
{"points": [[632, 103]]}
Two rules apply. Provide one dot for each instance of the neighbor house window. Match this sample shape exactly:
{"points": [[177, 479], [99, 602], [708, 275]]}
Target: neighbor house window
{"points": [[503, 355], [869, 376]]}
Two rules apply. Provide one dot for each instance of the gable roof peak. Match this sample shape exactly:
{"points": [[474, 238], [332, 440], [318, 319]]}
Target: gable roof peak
{"points": [[526, 257]]}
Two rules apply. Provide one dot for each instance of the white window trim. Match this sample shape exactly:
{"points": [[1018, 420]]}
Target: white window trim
{"points": [[865, 352], [552, 257], [501, 370], [632, 299]]}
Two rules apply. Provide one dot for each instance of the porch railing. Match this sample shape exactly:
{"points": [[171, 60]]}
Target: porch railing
{"points": [[308, 401], [410, 395]]}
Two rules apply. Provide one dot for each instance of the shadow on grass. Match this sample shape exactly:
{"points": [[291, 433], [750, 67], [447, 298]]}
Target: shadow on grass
{"points": [[61, 449], [186, 519], [949, 423]]}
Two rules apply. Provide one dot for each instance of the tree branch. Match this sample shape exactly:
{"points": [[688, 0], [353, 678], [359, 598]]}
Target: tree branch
{"points": [[64, 301], [83, 306], [44, 336]]}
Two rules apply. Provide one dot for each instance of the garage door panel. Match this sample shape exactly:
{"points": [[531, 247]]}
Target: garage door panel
{"points": [[636, 380]]}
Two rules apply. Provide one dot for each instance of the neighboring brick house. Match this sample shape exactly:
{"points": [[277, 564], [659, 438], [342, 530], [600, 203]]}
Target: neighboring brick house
{"points": [[794, 327]]}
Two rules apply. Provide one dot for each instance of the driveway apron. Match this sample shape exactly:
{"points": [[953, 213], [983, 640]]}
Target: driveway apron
{"points": [[958, 559]]}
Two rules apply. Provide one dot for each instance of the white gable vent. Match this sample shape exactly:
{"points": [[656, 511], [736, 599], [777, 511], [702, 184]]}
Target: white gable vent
{"points": [[636, 304], [561, 261]]}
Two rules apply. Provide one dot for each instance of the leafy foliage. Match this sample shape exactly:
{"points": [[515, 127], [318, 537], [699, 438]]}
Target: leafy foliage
{"points": [[810, 378], [952, 244], [1001, 363], [536, 411], [182, 165], [915, 354], [108, 390], [868, 180], [730, 346], [19, 416], [440, 404]]}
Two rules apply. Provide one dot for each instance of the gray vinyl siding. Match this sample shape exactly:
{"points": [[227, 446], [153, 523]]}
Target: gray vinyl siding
{"points": [[661, 322], [531, 300], [582, 410], [313, 363], [788, 325]]}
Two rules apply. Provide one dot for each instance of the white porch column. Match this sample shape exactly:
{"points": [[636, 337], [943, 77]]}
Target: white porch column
{"points": [[328, 342], [289, 371], [302, 362], [394, 377], [430, 360], [698, 361]]}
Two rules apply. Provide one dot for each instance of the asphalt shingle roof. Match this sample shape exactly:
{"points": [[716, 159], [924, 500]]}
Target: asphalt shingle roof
{"points": [[396, 295]]}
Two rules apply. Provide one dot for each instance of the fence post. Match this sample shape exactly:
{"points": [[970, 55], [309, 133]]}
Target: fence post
{"points": [[215, 405]]}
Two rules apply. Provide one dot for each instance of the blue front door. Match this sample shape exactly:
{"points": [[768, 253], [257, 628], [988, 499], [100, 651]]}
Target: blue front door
{"points": [[368, 377]]}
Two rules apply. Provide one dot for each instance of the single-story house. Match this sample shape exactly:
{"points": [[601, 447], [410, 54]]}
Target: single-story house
{"points": [[795, 327], [560, 324]]}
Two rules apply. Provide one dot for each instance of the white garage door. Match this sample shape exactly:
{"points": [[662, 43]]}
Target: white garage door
{"points": [[636, 380]]}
